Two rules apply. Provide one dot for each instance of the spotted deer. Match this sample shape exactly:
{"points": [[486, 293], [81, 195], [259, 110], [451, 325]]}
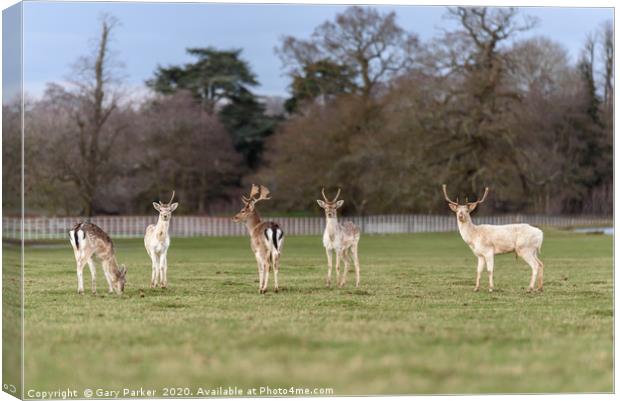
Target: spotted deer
{"points": [[89, 240], [266, 237], [341, 239], [486, 240], [157, 242]]}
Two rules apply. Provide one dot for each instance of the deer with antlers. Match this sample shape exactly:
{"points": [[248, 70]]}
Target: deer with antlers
{"points": [[266, 237], [157, 242], [341, 239], [486, 241], [88, 240]]}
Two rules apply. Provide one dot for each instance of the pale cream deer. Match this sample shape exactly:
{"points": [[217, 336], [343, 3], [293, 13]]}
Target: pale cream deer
{"points": [[266, 237], [157, 242], [487, 240], [89, 240], [341, 239]]}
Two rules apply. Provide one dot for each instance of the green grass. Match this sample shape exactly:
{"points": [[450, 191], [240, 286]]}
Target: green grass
{"points": [[414, 326]]}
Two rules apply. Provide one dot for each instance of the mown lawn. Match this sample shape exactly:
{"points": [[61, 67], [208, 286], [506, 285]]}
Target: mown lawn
{"points": [[413, 327]]}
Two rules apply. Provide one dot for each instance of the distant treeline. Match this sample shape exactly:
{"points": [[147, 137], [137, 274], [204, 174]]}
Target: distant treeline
{"points": [[373, 110]]}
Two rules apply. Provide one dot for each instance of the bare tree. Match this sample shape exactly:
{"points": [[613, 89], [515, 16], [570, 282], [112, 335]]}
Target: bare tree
{"points": [[91, 102], [361, 37]]}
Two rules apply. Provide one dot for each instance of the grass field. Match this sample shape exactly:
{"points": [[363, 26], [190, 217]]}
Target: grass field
{"points": [[414, 326]]}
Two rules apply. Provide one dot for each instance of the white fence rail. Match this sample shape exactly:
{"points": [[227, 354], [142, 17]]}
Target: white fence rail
{"points": [[40, 228]]}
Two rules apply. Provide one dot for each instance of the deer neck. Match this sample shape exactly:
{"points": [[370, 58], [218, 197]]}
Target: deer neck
{"points": [[111, 266], [252, 221], [331, 225], [161, 228], [467, 229]]}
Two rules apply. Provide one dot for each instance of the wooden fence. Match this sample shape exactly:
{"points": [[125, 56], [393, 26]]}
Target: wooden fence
{"points": [[40, 228]]}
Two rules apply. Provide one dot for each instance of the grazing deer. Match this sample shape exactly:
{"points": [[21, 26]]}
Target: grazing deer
{"points": [[157, 242], [266, 237], [486, 241], [87, 240], [341, 239]]}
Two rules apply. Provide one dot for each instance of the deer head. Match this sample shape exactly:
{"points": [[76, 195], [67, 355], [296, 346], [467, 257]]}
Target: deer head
{"points": [[463, 211], [257, 194], [330, 206], [165, 209], [121, 278]]}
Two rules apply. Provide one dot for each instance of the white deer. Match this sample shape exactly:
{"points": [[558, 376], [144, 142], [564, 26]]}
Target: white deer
{"points": [[157, 242], [342, 239], [89, 240], [486, 241], [266, 237]]}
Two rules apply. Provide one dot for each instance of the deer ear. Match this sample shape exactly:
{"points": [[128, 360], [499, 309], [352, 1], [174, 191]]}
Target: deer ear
{"points": [[453, 207], [123, 270], [156, 206], [339, 203], [174, 206], [472, 206], [321, 203]]}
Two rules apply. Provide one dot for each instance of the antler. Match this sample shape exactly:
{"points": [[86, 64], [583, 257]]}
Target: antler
{"points": [[325, 197], [445, 194], [172, 197], [257, 193], [486, 191], [263, 194]]}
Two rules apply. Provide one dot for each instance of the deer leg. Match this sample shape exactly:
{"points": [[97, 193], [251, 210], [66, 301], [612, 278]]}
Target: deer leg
{"points": [[80, 269], [337, 252], [266, 276], [261, 273], [530, 259], [276, 268], [93, 275], [356, 261], [259, 267], [541, 268], [163, 270], [108, 278], [154, 268], [479, 269], [345, 258], [489, 262], [328, 281]]}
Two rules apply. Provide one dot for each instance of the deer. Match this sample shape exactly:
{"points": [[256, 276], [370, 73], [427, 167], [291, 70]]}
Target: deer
{"points": [[88, 240], [341, 239], [486, 241], [266, 237], [157, 242]]}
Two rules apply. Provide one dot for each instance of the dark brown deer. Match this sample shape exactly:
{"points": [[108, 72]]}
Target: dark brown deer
{"points": [[266, 237], [89, 240]]}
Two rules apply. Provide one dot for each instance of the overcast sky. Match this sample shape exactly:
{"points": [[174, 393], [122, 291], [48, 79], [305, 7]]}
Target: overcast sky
{"points": [[56, 34]]}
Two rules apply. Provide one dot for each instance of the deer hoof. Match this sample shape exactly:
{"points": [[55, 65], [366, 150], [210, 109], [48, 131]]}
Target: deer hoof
{"points": [[81, 292], [491, 289], [276, 289], [476, 289]]}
